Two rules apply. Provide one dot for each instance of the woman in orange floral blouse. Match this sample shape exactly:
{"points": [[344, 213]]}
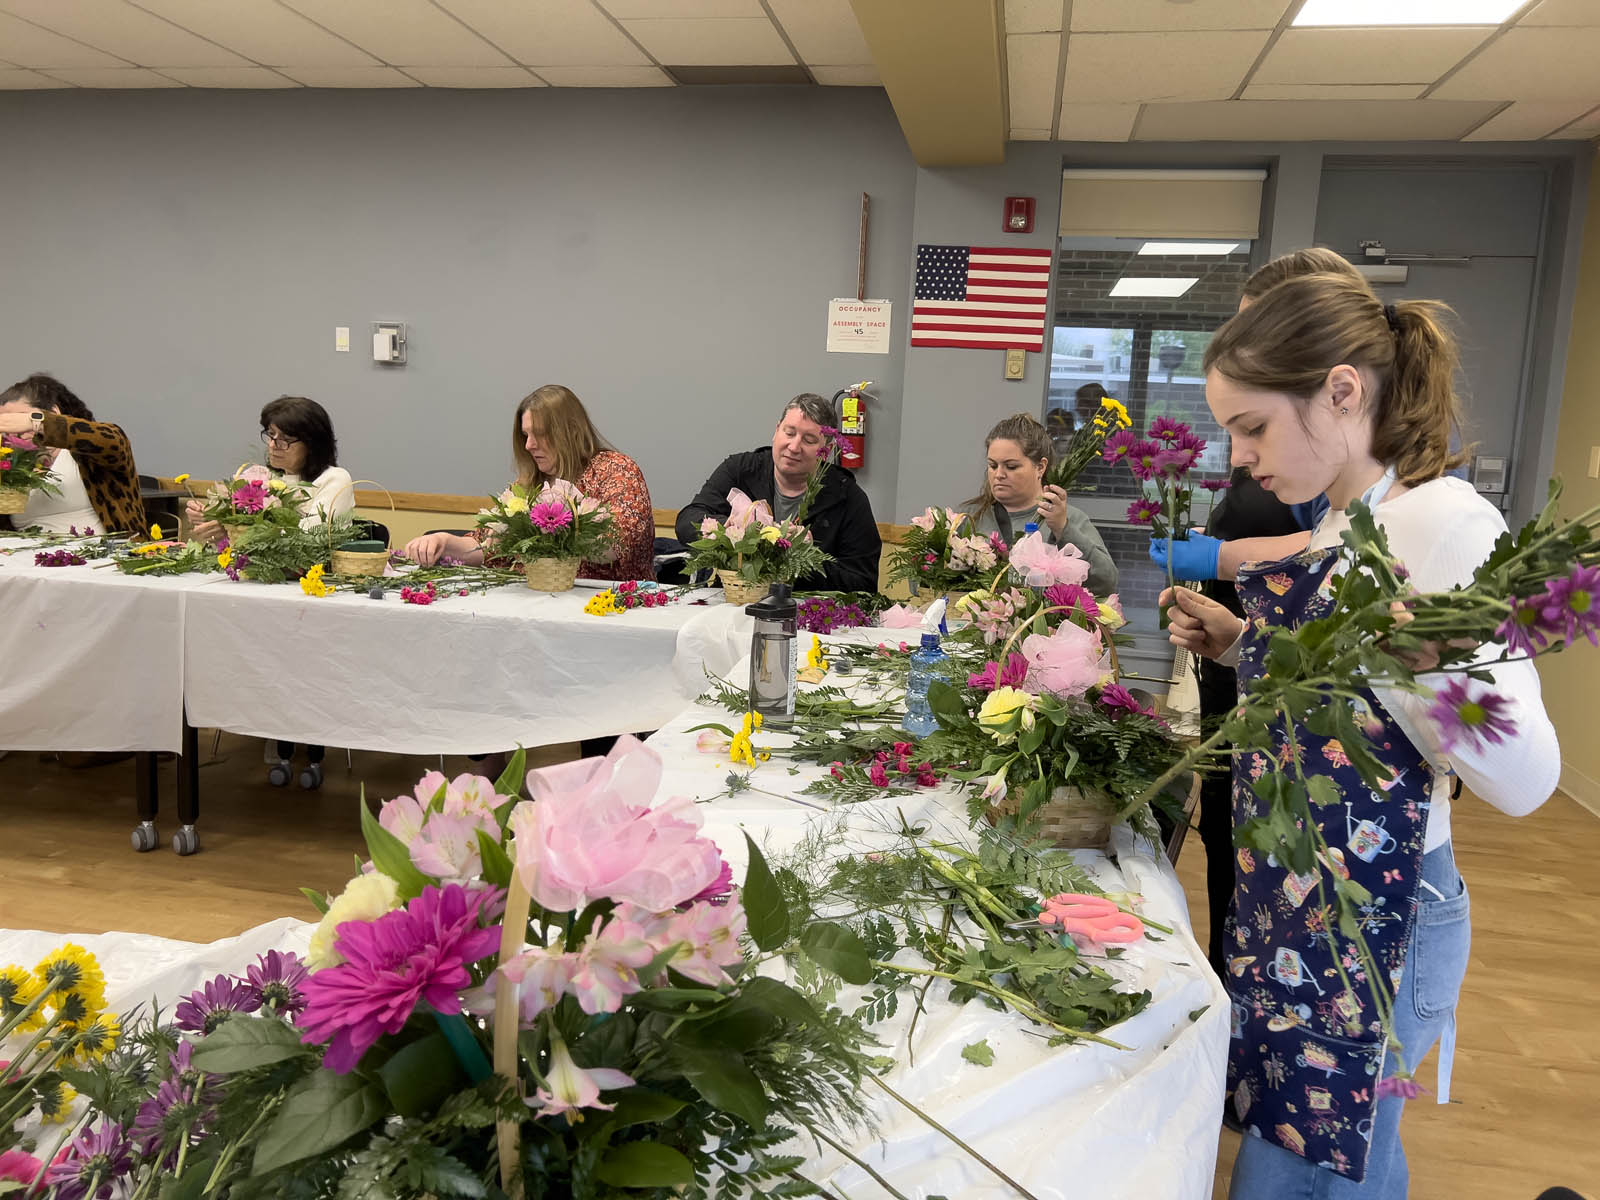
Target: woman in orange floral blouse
{"points": [[553, 438]]}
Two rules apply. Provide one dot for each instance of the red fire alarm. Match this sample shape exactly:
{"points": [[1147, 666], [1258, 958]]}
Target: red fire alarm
{"points": [[1018, 215]]}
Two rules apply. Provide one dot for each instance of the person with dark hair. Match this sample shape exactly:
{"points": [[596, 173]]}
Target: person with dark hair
{"points": [[1014, 493], [840, 518], [301, 448], [1328, 391], [553, 438], [94, 471]]}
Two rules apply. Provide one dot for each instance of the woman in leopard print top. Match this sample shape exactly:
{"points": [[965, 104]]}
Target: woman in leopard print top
{"points": [[102, 451]]}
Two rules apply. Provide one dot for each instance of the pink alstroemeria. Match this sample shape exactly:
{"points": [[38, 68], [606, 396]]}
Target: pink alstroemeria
{"points": [[712, 742], [708, 526], [1056, 564], [572, 1087], [543, 975], [608, 965], [590, 833], [1067, 663], [709, 934]]}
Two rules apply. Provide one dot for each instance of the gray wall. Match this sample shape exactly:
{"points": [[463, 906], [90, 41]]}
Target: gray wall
{"points": [[181, 257]]}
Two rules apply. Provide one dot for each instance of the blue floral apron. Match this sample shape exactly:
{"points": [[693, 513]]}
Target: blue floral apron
{"points": [[1306, 1053]]}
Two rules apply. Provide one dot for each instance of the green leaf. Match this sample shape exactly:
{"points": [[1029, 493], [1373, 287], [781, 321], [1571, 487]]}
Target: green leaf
{"points": [[638, 1106], [766, 914], [318, 900], [496, 862], [418, 1077], [389, 854], [725, 1080], [246, 1042], [193, 1184], [1324, 792], [836, 949], [644, 1165], [677, 999], [512, 778], [322, 1111], [779, 999], [978, 1052]]}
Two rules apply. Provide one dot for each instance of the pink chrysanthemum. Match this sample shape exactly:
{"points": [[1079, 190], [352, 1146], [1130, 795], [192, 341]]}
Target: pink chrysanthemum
{"points": [[415, 955], [1074, 597], [1142, 512], [250, 497], [1165, 429], [1119, 445], [1144, 459], [995, 676]]}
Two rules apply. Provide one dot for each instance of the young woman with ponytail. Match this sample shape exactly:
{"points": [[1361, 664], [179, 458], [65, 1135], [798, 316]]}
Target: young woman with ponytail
{"points": [[1325, 389]]}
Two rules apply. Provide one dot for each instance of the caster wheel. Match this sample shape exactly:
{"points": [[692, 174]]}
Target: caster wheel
{"points": [[311, 777], [186, 841], [145, 837], [280, 774]]}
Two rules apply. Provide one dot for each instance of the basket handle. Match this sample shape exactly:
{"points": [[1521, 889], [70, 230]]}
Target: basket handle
{"points": [[351, 487]]}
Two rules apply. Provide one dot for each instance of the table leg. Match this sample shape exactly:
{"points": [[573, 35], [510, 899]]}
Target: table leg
{"points": [[147, 797], [186, 841]]}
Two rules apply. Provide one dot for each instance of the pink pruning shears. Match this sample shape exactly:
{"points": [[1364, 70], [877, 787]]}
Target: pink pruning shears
{"points": [[1093, 922]]}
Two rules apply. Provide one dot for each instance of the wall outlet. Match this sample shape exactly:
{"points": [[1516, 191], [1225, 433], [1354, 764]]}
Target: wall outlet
{"points": [[1016, 361], [1594, 462]]}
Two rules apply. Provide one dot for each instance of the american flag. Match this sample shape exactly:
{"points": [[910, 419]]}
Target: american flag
{"points": [[981, 297]]}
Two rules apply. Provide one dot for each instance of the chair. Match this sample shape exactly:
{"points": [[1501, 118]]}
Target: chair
{"points": [[670, 555], [456, 532], [371, 531]]}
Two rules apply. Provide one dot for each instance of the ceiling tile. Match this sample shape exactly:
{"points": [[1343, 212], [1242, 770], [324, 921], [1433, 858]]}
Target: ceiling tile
{"points": [[350, 77], [261, 30], [228, 77], [1030, 135], [1031, 77], [1334, 91], [823, 31], [847, 76], [646, 76], [1032, 16], [569, 33], [402, 32], [1366, 55], [14, 79], [114, 77], [1097, 122], [475, 77], [1584, 127], [693, 9], [29, 46], [713, 42], [1110, 16], [1127, 67], [1526, 122], [1564, 12], [1312, 120], [1531, 64], [125, 31]]}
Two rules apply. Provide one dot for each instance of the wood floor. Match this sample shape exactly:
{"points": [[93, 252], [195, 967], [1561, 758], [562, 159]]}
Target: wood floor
{"points": [[1525, 1110]]}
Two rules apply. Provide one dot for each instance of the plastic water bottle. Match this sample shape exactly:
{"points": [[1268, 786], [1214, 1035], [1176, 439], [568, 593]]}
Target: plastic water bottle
{"points": [[1036, 579], [924, 670]]}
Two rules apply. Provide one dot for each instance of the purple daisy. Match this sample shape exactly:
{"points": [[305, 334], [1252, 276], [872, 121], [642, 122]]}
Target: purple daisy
{"points": [[1165, 429], [1119, 699], [1462, 716], [1216, 485], [1572, 604], [1119, 445], [96, 1159], [1143, 512], [1176, 461], [415, 955], [178, 1112], [1524, 631], [1144, 459], [278, 978], [213, 1004]]}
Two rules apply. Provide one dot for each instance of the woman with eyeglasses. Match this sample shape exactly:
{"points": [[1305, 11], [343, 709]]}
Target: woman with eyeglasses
{"points": [[301, 448]]}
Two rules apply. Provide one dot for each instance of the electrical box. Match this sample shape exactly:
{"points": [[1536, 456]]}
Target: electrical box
{"points": [[389, 342], [1489, 475], [1016, 360]]}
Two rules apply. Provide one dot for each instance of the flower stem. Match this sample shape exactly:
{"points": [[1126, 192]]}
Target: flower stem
{"points": [[1021, 1004], [884, 1183], [1021, 1191]]}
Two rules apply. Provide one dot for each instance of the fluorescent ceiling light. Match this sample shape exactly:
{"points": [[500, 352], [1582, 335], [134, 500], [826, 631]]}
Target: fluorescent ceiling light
{"points": [[1163, 286], [1188, 247], [1405, 12]]}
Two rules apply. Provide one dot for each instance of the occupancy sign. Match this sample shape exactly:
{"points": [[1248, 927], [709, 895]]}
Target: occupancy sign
{"points": [[858, 326]]}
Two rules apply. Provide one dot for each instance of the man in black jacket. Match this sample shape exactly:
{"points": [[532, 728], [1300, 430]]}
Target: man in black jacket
{"points": [[840, 518]]}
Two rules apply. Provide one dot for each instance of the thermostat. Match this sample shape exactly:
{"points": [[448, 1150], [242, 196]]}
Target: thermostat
{"points": [[389, 341]]}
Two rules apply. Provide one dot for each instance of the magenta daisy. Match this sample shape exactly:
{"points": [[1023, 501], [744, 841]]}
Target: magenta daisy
{"points": [[250, 497], [1073, 596], [994, 675], [1176, 461], [1119, 699], [550, 515], [213, 1004], [1573, 604], [1119, 445], [1467, 717], [1216, 485], [715, 892], [1144, 460], [415, 955], [1165, 429], [97, 1158], [277, 978], [1143, 511]]}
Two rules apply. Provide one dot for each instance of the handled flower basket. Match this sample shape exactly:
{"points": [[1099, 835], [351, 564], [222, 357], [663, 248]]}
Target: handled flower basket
{"points": [[736, 590], [551, 574], [1072, 818], [347, 559], [12, 501]]}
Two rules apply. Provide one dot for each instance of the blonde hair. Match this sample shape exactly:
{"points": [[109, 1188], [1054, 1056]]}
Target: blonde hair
{"points": [[1025, 430], [1313, 260], [560, 420], [1298, 330]]}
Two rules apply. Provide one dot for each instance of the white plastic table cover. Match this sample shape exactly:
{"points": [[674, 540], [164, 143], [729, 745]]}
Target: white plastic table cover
{"points": [[466, 675], [93, 658]]}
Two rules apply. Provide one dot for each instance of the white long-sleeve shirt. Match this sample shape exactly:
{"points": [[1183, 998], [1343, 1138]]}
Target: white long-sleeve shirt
{"points": [[331, 496], [1442, 531]]}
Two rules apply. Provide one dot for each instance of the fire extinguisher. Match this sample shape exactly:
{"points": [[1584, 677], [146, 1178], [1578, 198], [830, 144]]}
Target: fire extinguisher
{"points": [[850, 407]]}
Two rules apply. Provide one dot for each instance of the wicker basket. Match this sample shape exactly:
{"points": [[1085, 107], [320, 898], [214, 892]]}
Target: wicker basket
{"points": [[12, 501], [1071, 818], [360, 562], [551, 574], [236, 533], [736, 591]]}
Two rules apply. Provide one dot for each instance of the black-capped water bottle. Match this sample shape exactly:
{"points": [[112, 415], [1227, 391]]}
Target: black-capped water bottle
{"points": [[926, 666], [772, 657]]}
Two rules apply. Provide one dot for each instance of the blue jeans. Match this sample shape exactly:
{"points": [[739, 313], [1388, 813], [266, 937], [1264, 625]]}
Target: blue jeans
{"points": [[1424, 1009]]}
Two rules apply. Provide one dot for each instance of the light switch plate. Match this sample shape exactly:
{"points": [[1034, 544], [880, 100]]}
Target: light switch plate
{"points": [[1016, 361], [1594, 462], [341, 338]]}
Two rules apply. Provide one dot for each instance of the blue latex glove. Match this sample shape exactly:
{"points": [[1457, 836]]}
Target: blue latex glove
{"points": [[1193, 559]]}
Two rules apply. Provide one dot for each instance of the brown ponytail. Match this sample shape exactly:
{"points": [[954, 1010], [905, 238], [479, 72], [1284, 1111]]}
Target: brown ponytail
{"points": [[1025, 430], [1290, 337]]}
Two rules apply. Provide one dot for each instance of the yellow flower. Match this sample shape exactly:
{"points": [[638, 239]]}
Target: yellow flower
{"points": [[55, 1099], [1115, 407], [96, 1038], [155, 532], [1111, 618], [181, 479], [515, 504], [603, 604], [998, 709], [71, 968], [277, 485], [225, 559], [311, 582], [18, 989], [365, 898], [815, 657], [5, 452], [770, 533], [148, 548]]}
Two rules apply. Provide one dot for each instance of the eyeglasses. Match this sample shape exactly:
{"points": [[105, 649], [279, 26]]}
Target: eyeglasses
{"points": [[281, 441]]}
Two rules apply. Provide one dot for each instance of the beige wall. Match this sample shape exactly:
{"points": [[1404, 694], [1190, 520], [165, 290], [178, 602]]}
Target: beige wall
{"points": [[1571, 693]]}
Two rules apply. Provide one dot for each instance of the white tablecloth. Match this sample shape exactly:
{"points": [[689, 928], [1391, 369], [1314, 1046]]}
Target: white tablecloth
{"points": [[90, 658], [465, 675]]}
